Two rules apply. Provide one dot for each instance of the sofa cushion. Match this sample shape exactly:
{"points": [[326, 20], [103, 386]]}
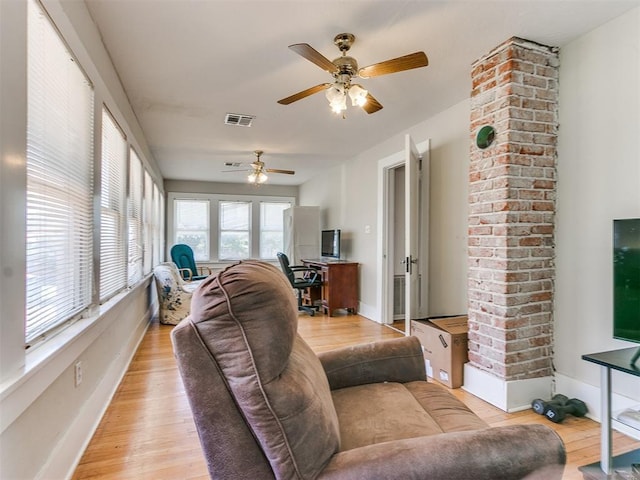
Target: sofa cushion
{"points": [[449, 413], [383, 412], [247, 318]]}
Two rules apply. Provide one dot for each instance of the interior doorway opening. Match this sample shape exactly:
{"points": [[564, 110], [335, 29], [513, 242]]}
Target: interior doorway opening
{"points": [[396, 249], [403, 239]]}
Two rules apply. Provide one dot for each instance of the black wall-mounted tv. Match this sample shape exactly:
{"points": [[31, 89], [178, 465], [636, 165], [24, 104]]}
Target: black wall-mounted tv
{"points": [[626, 279], [330, 243]]}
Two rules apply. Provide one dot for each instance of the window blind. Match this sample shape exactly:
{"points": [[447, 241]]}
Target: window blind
{"points": [[235, 225], [192, 226], [272, 228], [113, 253], [59, 180], [157, 225], [135, 250], [147, 218]]}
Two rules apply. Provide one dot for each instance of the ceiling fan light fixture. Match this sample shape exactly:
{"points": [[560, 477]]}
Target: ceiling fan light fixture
{"points": [[358, 95], [257, 177], [337, 97]]}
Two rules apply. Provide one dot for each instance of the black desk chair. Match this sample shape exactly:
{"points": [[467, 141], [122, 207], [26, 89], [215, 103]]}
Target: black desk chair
{"points": [[301, 278]]}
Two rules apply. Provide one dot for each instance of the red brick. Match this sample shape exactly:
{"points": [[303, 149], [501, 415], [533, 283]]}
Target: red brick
{"points": [[511, 210]]}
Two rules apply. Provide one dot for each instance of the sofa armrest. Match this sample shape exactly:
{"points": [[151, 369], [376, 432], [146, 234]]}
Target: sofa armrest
{"points": [[396, 360], [534, 452]]}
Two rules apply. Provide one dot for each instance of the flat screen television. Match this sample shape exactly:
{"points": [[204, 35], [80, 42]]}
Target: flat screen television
{"points": [[626, 280], [330, 243]]}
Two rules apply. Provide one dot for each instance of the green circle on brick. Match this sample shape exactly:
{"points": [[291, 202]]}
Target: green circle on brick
{"points": [[485, 136]]}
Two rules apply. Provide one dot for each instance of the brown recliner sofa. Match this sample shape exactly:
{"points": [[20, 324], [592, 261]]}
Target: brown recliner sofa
{"points": [[266, 406]]}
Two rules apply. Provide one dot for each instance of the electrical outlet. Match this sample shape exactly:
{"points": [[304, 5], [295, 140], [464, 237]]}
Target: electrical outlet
{"points": [[78, 373]]}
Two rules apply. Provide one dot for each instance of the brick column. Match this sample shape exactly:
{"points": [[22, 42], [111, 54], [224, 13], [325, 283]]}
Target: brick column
{"points": [[512, 187]]}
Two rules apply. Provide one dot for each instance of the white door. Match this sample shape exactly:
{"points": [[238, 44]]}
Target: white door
{"points": [[412, 232], [415, 193]]}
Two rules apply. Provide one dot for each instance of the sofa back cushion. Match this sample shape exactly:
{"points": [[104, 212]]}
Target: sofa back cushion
{"points": [[247, 317]]}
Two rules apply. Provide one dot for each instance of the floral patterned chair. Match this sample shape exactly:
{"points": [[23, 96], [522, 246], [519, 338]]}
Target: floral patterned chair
{"points": [[174, 294]]}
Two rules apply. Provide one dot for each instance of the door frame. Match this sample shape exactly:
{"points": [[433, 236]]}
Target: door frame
{"points": [[384, 280]]}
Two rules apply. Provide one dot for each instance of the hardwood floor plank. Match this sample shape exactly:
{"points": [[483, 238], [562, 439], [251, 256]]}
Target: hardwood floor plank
{"points": [[148, 430]]}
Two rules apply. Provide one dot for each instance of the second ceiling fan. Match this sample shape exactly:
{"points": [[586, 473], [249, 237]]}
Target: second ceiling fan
{"points": [[344, 69], [258, 171]]}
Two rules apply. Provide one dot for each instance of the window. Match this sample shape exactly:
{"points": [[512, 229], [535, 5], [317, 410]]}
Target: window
{"points": [[59, 181], [228, 227], [59, 201], [192, 226], [113, 258], [148, 220], [61, 207], [234, 230], [157, 225], [271, 228], [135, 255]]}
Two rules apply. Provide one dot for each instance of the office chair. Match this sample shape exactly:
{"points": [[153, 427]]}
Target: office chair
{"points": [[182, 256], [301, 278]]}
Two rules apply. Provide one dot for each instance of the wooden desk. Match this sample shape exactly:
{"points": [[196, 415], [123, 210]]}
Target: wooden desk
{"points": [[339, 284]]}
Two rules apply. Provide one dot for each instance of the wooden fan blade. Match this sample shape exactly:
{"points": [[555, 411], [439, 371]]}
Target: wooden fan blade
{"points": [[305, 93], [277, 170], [307, 51], [408, 62], [372, 105]]}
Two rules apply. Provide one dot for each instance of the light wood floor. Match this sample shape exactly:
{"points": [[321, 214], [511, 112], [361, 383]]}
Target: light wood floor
{"points": [[148, 433]]}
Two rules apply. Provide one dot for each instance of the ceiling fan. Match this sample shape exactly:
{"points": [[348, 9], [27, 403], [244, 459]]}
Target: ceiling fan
{"points": [[344, 69], [258, 171]]}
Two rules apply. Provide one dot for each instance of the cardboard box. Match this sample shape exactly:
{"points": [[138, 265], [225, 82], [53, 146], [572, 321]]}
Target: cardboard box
{"points": [[444, 344]]}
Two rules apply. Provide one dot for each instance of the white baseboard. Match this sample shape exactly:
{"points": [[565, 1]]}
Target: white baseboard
{"points": [[368, 311], [510, 396], [590, 395], [69, 450]]}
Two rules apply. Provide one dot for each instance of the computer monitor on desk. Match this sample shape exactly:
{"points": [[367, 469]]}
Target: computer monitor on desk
{"points": [[330, 244]]}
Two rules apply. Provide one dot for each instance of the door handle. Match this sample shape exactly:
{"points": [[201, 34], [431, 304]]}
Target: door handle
{"points": [[407, 262]]}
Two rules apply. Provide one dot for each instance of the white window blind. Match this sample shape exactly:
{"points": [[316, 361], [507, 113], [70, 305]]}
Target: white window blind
{"points": [[235, 223], [135, 218], [147, 217], [192, 226], [59, 181], [271, 228], [113, 253], [157, 226]]}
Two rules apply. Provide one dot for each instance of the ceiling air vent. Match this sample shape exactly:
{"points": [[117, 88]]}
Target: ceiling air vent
{"points": [[239, 119], [232, 164]]}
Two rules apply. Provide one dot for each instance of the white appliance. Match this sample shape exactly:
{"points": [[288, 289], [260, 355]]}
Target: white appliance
{"points": [[301, 233]]}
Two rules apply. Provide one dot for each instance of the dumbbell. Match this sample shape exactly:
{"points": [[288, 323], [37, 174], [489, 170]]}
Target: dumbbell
{"points": [[557, 413], [539, 406]]}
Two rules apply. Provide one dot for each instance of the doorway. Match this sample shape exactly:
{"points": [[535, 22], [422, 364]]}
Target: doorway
{"points": [[403, 234], [396, 246]]}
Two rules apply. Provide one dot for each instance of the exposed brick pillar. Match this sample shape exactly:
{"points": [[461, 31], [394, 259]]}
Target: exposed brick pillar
{"points": [[512, 185]]}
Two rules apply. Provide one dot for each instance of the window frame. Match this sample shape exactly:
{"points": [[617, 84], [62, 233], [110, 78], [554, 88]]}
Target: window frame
{"points": [[135, 236], [249, 230], [59, 192], [214, 215], [116, 208]]}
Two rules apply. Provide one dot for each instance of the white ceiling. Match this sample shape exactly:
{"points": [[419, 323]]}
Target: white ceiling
{"points": [[185, 64]]}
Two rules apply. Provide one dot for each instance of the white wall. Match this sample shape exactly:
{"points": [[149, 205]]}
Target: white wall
{"points": [[347, 196], [598, 180]]}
